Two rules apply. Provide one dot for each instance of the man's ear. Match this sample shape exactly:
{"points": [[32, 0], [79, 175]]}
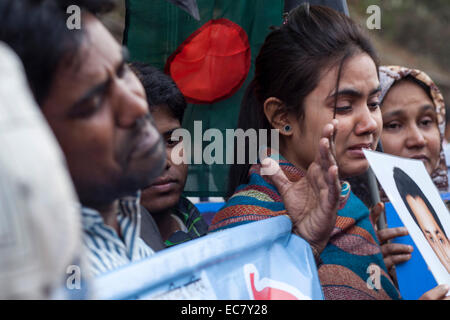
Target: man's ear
{"points": [[277, 115]]}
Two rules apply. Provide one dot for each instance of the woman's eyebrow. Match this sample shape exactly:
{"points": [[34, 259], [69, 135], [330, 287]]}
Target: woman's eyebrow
{"points": [[400, 112], [346, 92], [426, 108], [395, 113], [353, 93], [375, 91]]}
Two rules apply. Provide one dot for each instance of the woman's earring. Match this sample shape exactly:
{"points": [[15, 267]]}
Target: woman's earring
{"points": [[287, 128]]}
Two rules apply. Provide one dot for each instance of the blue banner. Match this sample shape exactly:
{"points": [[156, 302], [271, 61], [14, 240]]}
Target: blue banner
{"points": [[257, 261]]}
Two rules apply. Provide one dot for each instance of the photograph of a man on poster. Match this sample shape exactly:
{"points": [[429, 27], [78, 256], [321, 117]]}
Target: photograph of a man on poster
{"points": [[424, 215]]}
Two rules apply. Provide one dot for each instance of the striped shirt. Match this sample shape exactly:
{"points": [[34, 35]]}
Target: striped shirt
{"points": [[106, 250]]}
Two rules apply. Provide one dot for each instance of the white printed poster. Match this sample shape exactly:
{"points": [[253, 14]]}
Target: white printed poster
{"points": [[420, 207]]}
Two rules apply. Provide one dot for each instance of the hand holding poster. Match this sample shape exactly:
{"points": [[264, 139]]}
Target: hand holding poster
{"points": [[419, 206]]}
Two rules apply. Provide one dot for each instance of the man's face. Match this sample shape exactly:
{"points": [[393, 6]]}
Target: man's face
{"points": [[433, 233], [99, 114], [165, 191]]}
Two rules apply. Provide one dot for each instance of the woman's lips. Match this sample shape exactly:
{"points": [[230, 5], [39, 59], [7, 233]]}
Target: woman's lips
{"points": [[356, 151], [419, 157]]}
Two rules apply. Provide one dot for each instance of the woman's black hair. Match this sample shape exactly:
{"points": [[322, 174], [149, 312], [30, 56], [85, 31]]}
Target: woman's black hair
{"points": [[290, 63], [407, 186]]}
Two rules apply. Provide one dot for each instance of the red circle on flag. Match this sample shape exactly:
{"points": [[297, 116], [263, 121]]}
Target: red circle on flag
{"points": [[212, 63]]}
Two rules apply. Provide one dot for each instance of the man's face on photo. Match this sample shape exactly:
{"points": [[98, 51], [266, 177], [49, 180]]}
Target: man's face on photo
{"points": [[98, 111], [433, 233]]}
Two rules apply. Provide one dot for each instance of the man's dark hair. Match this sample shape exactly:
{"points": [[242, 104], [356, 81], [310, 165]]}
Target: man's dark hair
{"points": [[161, 90], [407, 186], [37, 31]]}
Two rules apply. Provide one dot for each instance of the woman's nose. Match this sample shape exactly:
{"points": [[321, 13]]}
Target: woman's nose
{"points": [[367, 122], [415, 138]]}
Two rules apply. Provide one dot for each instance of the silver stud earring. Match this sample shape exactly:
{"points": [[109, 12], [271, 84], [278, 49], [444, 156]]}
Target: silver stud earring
{"points": [[287, 128]]}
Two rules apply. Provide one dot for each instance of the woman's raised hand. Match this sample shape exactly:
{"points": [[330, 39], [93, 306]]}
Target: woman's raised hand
{"points": [[312, 203]]}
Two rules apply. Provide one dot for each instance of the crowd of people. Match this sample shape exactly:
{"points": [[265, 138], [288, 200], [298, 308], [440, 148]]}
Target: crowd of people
{"points": [[113, 195]]}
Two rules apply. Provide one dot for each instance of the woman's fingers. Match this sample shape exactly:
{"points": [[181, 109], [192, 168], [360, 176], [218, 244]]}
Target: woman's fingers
{"points": [[275, 175], [324, 175], [395, 253], [396, 249], [335, 123], [375, 213], [324, 154], [391, 233], [438, 293], [394, 260], [327, 156], [334, 186]]}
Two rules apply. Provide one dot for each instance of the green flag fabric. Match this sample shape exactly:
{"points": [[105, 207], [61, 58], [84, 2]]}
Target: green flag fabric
{"points": [[155, 30]]}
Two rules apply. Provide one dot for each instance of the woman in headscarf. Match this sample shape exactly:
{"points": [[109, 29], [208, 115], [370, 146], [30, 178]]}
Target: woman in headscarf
{"points": [[413, 114]]}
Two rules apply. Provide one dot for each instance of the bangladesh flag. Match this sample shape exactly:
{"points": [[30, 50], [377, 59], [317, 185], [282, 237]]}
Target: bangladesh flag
{"points": [[211, 60]]}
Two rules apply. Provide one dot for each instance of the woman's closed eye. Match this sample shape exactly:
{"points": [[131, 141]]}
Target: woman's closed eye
{"points": [[343, 109], [346, 107]]}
